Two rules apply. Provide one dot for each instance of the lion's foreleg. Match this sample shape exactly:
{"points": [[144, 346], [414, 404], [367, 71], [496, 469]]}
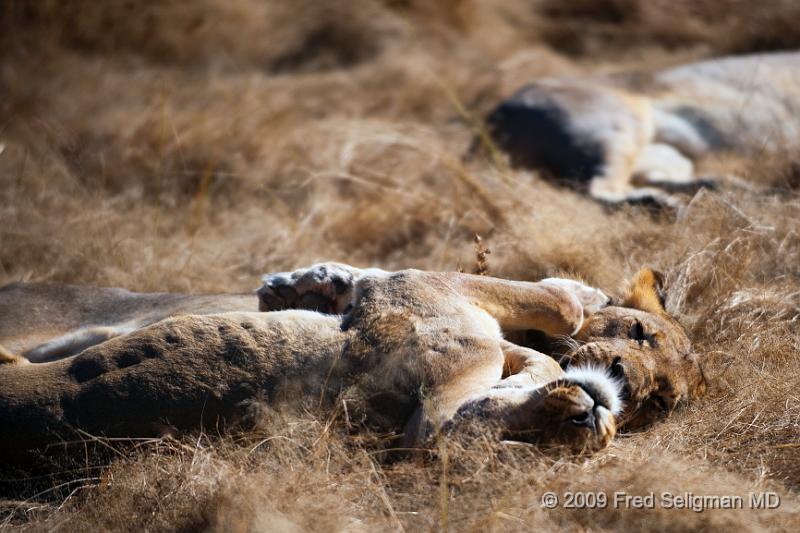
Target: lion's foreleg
{"points": [[554, 306], [524, 367], [495, 389]]}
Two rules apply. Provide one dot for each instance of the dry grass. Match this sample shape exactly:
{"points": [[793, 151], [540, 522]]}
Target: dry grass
{"points": [[170, 147]]}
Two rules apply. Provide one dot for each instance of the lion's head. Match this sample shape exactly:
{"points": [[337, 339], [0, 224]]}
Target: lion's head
{"points": [[644, 347]]}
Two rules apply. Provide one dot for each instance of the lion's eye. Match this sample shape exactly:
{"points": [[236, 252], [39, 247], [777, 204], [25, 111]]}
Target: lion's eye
{"points": [[583, 419], [660, 403], [637, 332]]}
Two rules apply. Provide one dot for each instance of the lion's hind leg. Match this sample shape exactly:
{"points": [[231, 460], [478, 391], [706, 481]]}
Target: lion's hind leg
{"points": [[75, 342], [323, 287]]}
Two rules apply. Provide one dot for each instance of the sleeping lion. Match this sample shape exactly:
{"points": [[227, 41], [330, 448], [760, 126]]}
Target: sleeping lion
{"points": [[634, 137], [409, 352]]}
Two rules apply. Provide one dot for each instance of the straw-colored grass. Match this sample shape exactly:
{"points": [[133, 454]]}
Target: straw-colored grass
{"points": [[193, 146]]}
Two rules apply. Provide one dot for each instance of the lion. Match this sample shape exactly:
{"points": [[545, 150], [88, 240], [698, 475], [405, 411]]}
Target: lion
{"points": [[409, 352], [635, 339], [634, 137]]}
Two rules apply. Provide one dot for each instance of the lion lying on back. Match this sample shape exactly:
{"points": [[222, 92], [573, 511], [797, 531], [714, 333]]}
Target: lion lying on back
{"points": [[633, 138], [410, 352]]}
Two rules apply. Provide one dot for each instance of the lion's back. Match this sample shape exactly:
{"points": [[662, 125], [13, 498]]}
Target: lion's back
{"points": [[33, 313], [742, 103]]}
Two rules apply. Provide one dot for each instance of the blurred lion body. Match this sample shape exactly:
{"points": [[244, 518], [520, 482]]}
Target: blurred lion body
{"points": [[635, 137]]}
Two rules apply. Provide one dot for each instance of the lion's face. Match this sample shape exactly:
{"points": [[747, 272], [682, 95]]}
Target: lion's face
{"points": [[640, 344]]}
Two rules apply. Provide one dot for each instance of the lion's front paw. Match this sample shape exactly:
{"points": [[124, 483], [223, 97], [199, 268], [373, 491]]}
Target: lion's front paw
{"points": [[326, 287], [591, 299]]}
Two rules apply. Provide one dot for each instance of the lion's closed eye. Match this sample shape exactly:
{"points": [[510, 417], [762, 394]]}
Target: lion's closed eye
{"points": [[660, 403]]}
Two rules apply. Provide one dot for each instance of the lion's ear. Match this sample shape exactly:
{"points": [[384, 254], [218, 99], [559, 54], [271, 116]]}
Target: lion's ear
{"points": [[646, 292]]}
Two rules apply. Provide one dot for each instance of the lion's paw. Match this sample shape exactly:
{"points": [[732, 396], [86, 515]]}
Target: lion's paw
{"points": [[326, 287], [591, 299]]}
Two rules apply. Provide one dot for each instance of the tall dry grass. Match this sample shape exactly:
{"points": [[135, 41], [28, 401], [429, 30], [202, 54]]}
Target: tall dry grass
{"points": [[193, 147]]}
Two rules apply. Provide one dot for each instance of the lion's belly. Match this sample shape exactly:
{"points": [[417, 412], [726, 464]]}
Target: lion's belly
{"points": [[413, 358], [187, 372]]}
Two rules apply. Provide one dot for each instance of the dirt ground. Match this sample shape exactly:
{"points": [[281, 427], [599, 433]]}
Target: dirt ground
{"points": [[179, 146]]}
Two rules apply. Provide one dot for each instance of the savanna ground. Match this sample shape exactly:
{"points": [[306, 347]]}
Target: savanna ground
{"points": [[182, 146]]}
